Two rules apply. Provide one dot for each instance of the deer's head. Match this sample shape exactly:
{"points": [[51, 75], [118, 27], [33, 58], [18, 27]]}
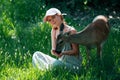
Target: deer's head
{"points": [[61, 40]]}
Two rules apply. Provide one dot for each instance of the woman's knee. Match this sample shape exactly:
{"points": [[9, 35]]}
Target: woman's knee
{"points": [[36, 54]]}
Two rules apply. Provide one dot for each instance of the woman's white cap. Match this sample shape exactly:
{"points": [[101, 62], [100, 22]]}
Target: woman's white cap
{"points": [[51, 12]]}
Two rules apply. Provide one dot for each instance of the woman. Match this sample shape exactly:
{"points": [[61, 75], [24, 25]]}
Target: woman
{"points": [[69, 57]]}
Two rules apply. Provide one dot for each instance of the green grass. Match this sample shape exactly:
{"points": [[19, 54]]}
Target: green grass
{"points": [[17, 45]]}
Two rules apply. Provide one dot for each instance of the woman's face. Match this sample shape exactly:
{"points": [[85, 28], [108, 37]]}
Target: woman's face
{"points": [[54, 20]]}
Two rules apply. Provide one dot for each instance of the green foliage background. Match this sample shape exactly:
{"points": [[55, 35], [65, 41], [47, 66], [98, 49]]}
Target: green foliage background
{"points": [[22, 32]]}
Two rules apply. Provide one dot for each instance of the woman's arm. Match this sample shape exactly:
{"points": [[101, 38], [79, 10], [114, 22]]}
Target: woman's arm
{"points": [[53, 40]]}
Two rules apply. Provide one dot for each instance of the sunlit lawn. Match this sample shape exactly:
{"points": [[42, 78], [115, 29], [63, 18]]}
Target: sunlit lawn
{"points": [[18, 44]]}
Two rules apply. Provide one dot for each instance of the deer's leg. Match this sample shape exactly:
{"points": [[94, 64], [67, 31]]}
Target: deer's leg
{"points": [[88, 49], [99, 51]]}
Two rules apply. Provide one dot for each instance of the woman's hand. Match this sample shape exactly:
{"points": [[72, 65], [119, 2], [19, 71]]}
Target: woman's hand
{"points": [[55, 53]]}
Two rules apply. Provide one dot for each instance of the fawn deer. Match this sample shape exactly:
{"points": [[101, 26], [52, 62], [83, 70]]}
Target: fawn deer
{"points": [[93, 35]]}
